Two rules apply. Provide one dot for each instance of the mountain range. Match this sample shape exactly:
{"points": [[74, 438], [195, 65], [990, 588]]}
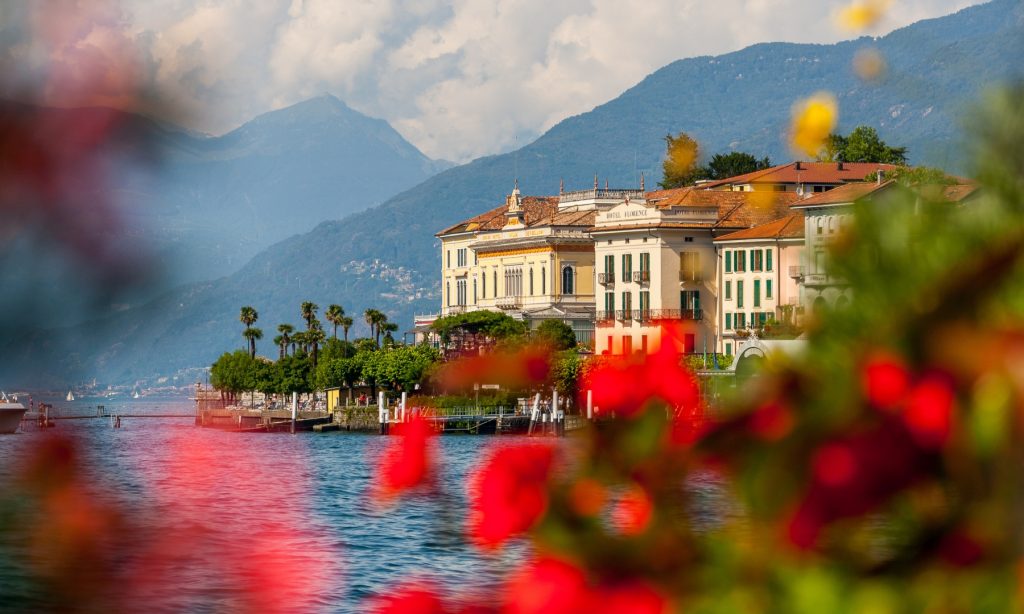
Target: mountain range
{"points": [[386, 256]]}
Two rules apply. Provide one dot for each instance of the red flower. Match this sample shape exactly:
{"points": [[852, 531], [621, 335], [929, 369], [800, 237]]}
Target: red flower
{"points": [[632, 597], [548, 586], [510, 493], [633, 512], [885, 380], [406, 462], [960, 549], [929, 412], [771, 422], [410, 599]]}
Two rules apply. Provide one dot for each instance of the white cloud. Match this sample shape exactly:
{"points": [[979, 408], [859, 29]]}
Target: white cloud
{"points": [[459, 78]]}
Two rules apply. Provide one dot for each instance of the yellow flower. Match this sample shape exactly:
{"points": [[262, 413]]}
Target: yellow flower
{"points": [[862, 15], [813, 120]]}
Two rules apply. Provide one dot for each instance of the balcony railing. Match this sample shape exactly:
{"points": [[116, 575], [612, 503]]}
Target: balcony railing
{"points": [[675, 314], [796, 272], [642, 277], [624, 315], [509, 302], [605, 318], [605, 278], [815, 279]]}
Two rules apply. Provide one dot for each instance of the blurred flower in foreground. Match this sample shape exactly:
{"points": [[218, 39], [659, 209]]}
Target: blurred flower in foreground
{"points": [[410, 599], [407, 461], [862, 14], [509, 493], [813, 120], [869, 64]]}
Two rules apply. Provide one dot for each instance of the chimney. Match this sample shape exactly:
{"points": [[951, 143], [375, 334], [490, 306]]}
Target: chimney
{"points": [[641, 181], [839, 166], [798, 167], [881, 176]]}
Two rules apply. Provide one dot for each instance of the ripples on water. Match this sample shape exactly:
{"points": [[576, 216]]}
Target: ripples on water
{"points": [[226, 521]]}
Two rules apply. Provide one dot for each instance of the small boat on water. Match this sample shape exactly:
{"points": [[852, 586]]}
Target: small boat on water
{"points": [[136, 394], [71, 396], [11, 413]]}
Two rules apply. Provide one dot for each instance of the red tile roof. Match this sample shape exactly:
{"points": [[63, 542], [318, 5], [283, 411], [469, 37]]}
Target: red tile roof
{"points": [[535, 210], [735, 209], [789, 227], [808, 172], [842, 195]]}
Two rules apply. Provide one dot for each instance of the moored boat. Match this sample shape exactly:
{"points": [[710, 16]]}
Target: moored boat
{"points": [[11, 413]]}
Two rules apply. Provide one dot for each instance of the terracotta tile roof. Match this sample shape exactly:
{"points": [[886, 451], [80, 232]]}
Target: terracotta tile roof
{"points": [[535, 208], [789, 227], [960, 193], [842, 195], [735, 209], [809, 172]]}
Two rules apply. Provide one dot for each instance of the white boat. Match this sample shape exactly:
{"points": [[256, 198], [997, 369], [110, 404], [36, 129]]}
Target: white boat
{"points": [[11, 413], [71, 396], [136, 394]]}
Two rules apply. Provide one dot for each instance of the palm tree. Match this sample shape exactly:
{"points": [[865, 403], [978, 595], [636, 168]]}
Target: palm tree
{"points": [[346, 323], [301, 339], [309, 313], [279, 342], [248, 316], [252, 334], [315, 336], [334, 314], [382, 321], [286, 331], [388, 328], [370, 316]]}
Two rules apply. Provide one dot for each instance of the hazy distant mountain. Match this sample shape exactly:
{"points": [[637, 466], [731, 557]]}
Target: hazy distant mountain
{"points": [[386, 257]]}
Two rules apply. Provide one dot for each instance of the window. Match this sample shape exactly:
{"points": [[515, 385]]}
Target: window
{"points": [[831, 224], [609, 303], [762, 318], [768, 288], [609, 268], [768, 261], [645, 305], [568, 280], [728, 290], [513, 281], [483, 285], [728, 349], [755, 259], [543, 280], [757, 293], [689, 266], [645, 266], [460, 291], [627, 267], [741, 321], [476, 259], [531, 282], [728, 262], [627, 345], [728, 321], [448, 293], [689, 303], [449, 254], [821, 226], [687, 239], [739, 258], [460, 257], [739, 293], [495, 283], [627, 302], [474, 290]]}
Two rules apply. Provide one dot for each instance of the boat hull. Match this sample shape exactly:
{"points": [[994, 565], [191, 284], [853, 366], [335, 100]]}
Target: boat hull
{"points": [[10, 417]]}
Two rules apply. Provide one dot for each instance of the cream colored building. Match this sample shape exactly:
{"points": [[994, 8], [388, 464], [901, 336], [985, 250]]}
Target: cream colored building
{"points": [[758, 271], [656, 261], [532, 258]]}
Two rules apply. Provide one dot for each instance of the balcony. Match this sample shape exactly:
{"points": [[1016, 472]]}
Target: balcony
{"points": [[796, 272], [816, 279], [509, 303], [605, 318], [605, 278], [642, 277], [624, 315], [674, 314]]}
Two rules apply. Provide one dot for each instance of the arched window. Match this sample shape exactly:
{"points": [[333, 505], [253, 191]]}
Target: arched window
{"points": [[448, 292], [531, 282], [543, 280], [568, 285]]}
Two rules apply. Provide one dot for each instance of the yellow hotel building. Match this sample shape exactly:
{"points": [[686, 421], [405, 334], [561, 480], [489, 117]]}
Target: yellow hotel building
{"points": [[532, 258]]}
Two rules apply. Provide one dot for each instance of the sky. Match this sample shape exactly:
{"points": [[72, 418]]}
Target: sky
{"points": [[457, 78]]}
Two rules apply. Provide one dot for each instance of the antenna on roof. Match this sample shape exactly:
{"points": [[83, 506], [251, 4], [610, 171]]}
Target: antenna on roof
{"points": [[642, 189], [561, 186]]}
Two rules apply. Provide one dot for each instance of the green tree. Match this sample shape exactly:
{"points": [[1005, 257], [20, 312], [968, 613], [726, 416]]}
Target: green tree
{"points": [[314, 337], [251, 335], [555, 334], [567, 366], [862, 145], [285, 339], [388, 328], [917, 176], [309, 313], [473, 330], [248, 316], [334, 314], [680, 167], [346, 323], [723, 166]]}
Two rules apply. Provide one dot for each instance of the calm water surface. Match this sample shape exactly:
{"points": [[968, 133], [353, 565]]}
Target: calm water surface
{"points": [[219, 520]]}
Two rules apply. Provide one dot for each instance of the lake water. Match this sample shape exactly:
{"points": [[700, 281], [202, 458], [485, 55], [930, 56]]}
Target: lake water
{"points": [[256, 516], [215, 521]]}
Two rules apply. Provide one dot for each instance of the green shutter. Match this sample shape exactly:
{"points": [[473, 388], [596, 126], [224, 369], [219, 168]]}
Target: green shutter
{"points": [[739, 293], [743, 258], [769, 267], [757, 293], [696, 300], [728, 321], [768, 287], [728, 262], [728, 290]]}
